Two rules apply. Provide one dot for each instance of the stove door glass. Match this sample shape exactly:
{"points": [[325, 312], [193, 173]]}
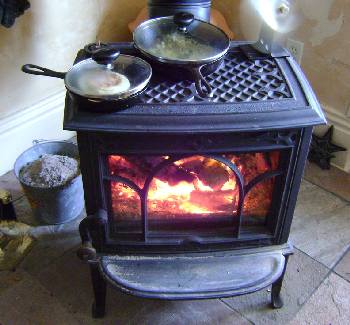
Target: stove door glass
{"points": [[205, 195]]}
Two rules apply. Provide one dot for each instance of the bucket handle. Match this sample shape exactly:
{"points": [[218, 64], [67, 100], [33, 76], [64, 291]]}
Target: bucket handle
{"points": [[38, 141]]}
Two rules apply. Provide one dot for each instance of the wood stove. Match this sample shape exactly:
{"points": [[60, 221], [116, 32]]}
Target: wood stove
{"points": [[192, 198]]}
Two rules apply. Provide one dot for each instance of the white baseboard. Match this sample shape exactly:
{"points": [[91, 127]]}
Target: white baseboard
{"points": [[43, 120], [341, 137]]}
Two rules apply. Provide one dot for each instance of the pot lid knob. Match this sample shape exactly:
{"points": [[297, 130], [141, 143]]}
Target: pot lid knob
{"points": [[183, 20], [105, 55]]}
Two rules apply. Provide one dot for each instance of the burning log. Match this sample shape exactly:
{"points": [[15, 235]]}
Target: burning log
{"points": [[218, 201], [137, 169]]}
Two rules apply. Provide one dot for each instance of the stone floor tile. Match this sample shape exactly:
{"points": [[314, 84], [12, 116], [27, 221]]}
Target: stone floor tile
{"points": [[45, 252], [213, 312], [10, 278], [302, 277], [9, 182], [343, 267], [314, 201], [330, 304], [68, 280], [28, 302], [324, 235], [334, 180], [24, 212], [52, 240]]}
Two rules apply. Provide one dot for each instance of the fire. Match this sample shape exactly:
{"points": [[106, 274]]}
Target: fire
{"points": [[186, 198], [194, 186], [180, 196]]}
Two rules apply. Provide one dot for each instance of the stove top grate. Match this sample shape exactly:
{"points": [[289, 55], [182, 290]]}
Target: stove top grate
{"points": [[237, 80]]}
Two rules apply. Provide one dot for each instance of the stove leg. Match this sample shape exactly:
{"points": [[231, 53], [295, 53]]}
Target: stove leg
{"points": [[99, 286], [276, 300]]}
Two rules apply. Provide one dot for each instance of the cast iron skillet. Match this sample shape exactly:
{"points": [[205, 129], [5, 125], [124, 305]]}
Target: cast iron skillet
{"points": [[105, 55], [145, 37]]}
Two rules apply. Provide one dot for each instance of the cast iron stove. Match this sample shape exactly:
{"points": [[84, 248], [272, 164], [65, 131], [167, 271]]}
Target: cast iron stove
{"points": [[192, 198]]}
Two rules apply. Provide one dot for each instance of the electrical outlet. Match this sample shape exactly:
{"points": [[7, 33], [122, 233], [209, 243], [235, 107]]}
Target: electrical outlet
{"points": [[295, 48]]}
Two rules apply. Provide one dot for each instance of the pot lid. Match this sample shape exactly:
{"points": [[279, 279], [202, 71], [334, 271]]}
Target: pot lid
{"points": [[181, 39], [108, 75]]}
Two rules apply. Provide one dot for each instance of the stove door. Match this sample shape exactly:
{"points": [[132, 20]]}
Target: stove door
{"points": [[191, 197]]}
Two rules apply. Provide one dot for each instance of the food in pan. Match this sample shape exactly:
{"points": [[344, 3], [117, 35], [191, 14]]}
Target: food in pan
{"points": [[178, 46], [104, 82]]}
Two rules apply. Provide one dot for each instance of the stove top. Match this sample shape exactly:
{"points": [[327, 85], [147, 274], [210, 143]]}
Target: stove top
{"points": [[248, 94], [237, 80]]}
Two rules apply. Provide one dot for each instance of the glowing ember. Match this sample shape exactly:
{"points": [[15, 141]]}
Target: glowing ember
{"points": [[194, 186]]}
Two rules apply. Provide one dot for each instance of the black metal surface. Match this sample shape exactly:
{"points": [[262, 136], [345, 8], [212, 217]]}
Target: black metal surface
{"points": [[237, 80], [162, 8], [105, 56], [40, 71], [94, 149], [100, 106], [322, 149], [247, 95], [183, 19], [99, 287], [197, 276], [276, 299], [259, 105]]}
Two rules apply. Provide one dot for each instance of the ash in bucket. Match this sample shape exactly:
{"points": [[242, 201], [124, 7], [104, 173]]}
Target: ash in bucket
{"points": [[49, 171]]}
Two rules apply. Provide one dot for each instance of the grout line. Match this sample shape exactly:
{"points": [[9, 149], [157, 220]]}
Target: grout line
{"points": [[330, 271], [313, 258], [341, 257], [341, 276], [339, 260], [237, 311], [327, 190], [20, 197]]}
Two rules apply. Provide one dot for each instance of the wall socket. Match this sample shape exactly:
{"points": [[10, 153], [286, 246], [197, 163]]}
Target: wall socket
{"points": [[296, 48]]}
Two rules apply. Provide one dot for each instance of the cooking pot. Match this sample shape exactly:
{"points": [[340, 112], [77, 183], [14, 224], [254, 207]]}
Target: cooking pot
{"points": [[162, 8], [183, 43], [107, 76]]}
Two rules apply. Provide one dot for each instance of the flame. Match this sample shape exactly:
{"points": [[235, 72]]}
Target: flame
{"points": [[206, 194], [180, 194]]}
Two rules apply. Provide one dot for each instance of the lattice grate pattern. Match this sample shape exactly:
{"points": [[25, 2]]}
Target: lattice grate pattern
{"points": [[237, 80]]}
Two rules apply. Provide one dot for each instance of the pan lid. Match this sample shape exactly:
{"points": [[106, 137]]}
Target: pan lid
{"points": [[108, 75], [181, 39]]}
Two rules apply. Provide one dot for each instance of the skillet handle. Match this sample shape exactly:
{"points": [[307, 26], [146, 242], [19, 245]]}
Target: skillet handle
{"points": [[203, 87], [40, 71]]}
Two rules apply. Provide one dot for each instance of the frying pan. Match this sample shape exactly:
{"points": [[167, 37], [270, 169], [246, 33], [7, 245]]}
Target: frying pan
{"points": [[132, 73]]}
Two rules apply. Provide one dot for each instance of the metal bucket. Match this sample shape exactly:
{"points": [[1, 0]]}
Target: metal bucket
{"points": [[58, 204]]}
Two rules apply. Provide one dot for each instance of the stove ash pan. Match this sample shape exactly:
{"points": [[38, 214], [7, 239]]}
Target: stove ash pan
{"points": [[214, 182]]}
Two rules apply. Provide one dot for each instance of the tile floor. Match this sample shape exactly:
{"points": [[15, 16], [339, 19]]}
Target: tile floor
{"points": [[51, 286]]}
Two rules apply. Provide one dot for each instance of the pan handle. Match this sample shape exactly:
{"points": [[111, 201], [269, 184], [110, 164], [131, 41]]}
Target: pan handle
{"points": [[202, 85], [40, 71]]}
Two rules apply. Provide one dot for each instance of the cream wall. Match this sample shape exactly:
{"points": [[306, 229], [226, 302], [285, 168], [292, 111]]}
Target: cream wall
{"points": [[49, 34]]}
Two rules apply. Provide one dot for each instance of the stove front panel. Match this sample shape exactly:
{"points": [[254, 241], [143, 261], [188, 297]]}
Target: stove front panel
{"points": [[190, 192]]}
